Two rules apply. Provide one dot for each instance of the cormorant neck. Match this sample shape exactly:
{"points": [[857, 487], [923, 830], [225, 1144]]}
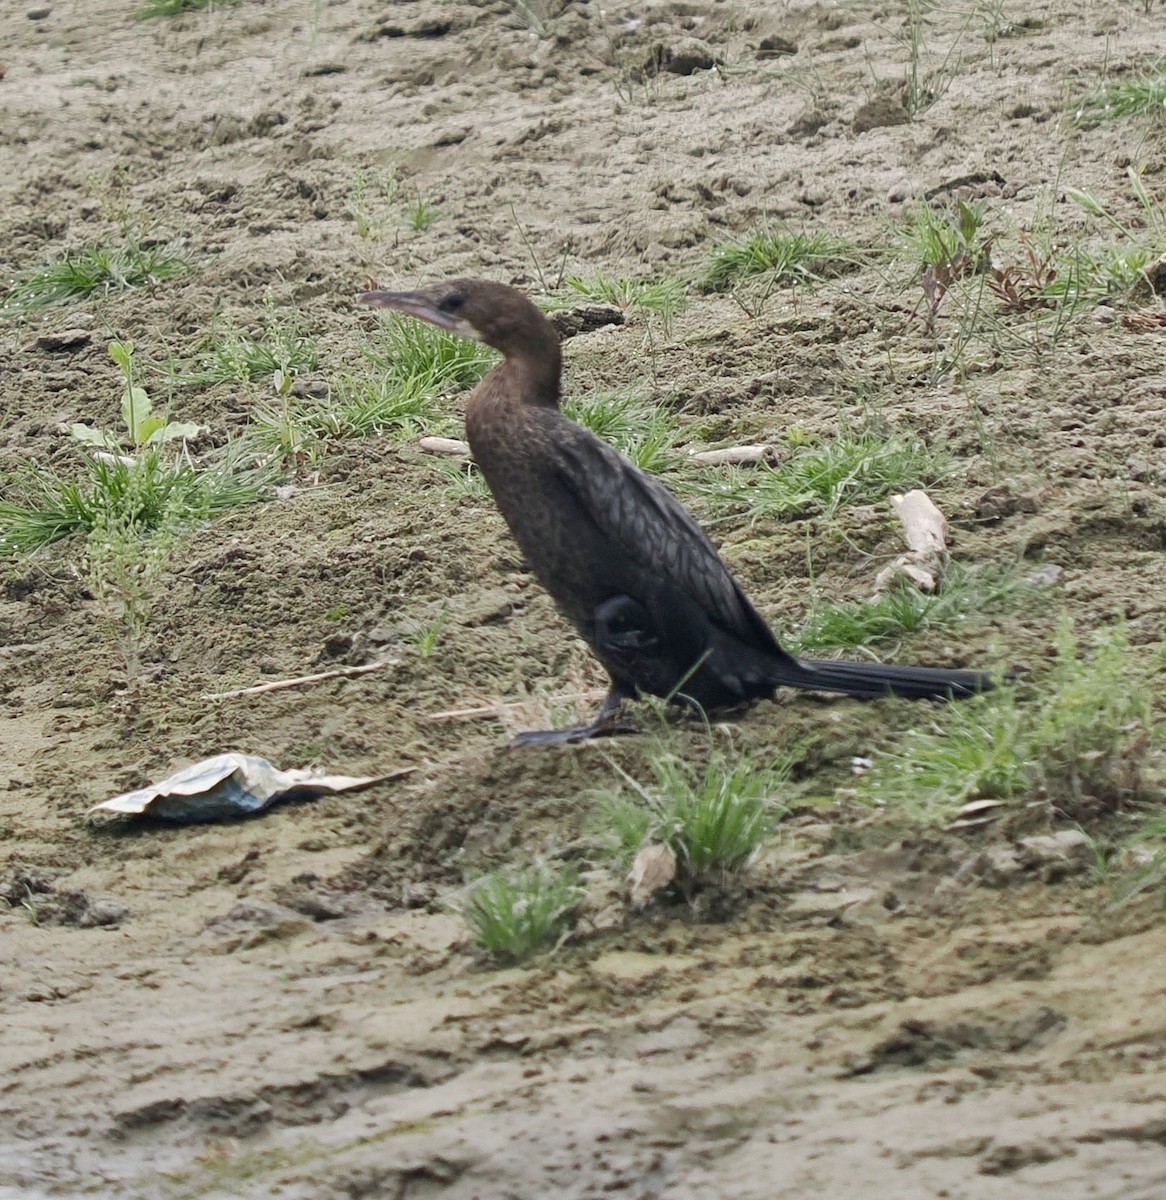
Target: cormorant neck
{"points": [[534, 376]]}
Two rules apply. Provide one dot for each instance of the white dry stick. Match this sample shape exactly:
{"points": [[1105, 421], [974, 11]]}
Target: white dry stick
{"points": [[500, 707], [114, 460], [925, 531], [734, 455], [454, 447], [278, 684], [466, 714]]}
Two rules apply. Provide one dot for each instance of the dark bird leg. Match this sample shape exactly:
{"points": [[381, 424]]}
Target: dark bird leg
{"points": [[605, 724], [625, 637]]}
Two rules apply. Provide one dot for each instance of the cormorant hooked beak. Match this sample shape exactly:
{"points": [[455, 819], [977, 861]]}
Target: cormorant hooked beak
{"points": [[424, 307]]}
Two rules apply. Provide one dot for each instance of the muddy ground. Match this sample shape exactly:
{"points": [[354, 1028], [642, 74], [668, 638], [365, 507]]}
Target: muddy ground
{"points": [[287, 1006]]}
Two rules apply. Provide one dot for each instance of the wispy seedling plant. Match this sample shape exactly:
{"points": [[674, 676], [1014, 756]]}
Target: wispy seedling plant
{"points": [[514, 913], [421, 213], [371, 207], [715, 818], [126, 563], [950, 239], [1120, 268], [923, 85], [1141, 95]]}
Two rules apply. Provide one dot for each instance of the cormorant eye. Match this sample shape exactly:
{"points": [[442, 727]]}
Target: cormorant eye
{"points": [[452, 302]]}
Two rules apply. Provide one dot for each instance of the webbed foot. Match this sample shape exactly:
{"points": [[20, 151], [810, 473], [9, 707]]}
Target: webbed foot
{"points": [[606, 724]]}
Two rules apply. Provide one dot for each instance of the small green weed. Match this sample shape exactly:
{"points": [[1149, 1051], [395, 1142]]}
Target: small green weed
{"points": [[1093, 730], [947, 244], [512, 913], [715, 818], [426, 636], [1149, 875], [974, 751], [143, 425], [950, 239], [285, 424]]}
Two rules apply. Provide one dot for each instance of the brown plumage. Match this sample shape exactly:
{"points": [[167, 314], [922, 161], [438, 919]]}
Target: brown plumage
{"points": [[621, 557]]}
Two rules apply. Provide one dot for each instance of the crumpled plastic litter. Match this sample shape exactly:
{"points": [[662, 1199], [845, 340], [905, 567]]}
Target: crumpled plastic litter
{"points": [[228, 785]]}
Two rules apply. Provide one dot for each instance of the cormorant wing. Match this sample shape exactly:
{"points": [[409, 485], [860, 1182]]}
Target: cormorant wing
{"points": [[654, 530]]}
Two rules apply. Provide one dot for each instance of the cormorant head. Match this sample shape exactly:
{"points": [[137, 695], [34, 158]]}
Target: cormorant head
{"points": [[490, 312]]}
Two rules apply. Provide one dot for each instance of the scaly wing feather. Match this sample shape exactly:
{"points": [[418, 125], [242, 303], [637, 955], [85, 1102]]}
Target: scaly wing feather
{"points": [[651, 526]]}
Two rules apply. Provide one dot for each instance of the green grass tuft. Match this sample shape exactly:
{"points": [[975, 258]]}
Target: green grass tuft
{"points": [[416, 356], [231, 355], [715, 818], [513, 913], [854, 468], [1083, 747], [646, 432], [774, 251], [900, 610], [84, 272], [410, 370], [152, 491], [172, 8], [663, 298]]}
